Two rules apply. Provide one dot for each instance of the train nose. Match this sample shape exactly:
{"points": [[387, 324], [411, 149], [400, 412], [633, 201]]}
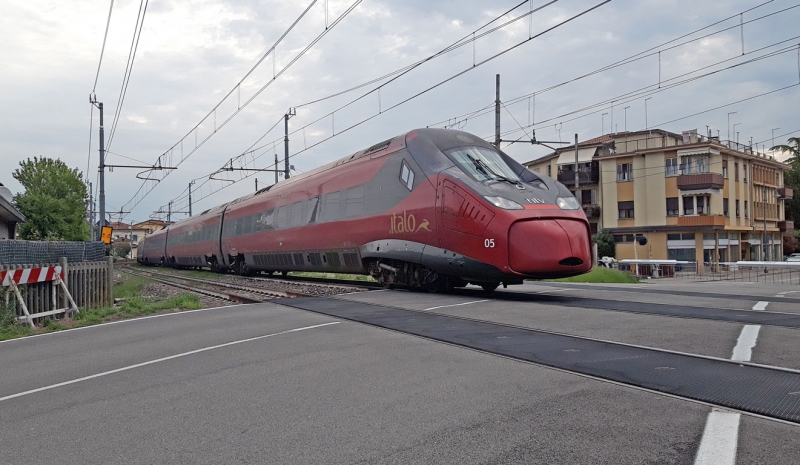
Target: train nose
{"points": [[549, 246]]}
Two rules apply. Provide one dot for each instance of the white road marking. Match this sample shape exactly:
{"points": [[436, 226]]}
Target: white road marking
{"points": [[761, 306], [721, 436], [783, 294], [158, 360], [744, 345], [456, 305]]}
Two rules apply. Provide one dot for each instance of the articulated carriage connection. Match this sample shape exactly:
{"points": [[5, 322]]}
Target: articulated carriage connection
{"points": [[430, 209]]}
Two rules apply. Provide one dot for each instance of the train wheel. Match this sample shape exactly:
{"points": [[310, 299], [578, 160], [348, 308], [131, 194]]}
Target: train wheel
{"points": [[438, 284], [489, 287]]}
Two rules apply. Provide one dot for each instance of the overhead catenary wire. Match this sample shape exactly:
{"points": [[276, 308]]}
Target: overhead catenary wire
{"points": [[103, 48], [630, 59], [653, 89], [166, 157], [126, 77], [428, 89], [400, 72]]}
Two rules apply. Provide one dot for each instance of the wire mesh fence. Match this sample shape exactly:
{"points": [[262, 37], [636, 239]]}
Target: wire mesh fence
{"points": [[13, 252], [765, 272]]}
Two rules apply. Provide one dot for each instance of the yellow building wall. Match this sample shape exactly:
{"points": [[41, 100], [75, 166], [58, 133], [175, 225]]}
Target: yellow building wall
{"points": [[608, 178]]}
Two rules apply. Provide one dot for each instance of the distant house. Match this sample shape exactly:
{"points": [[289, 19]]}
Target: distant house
{"points": [[132, 233], [9, 215]]}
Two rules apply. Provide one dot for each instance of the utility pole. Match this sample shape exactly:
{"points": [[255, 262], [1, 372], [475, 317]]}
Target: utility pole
{"points": [[190, 198], [497, 113], [91, 214], [286, 117], [169, 212], [626, 117], [102, 168], [276, 167], [577, 183], [256, 184]]}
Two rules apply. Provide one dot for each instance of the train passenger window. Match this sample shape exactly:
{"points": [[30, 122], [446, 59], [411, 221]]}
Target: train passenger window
{"points": [[248, 224], [283, 216], [331, 206], [297, 214], [311, 213], [266, 219], [407, 176], [355, 202]]}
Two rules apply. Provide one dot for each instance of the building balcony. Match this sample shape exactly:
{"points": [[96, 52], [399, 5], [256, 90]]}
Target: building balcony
{"points": [[784, 226], [591, 210], [701, 220], [700, 181], [584, 177], [785, 193]]}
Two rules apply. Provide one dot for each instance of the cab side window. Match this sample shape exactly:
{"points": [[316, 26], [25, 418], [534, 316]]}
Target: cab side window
{"points": [[407, 176]]}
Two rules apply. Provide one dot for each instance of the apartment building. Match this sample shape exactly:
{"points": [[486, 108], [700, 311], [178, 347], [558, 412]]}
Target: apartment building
{"points": [[693, 197]]}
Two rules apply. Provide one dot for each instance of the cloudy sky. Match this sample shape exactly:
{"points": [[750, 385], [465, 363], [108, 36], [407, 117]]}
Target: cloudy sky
{"points": [[192, 53]]}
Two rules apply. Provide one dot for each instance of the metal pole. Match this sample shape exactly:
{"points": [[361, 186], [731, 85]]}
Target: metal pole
{"points": [[286, 146], [256, 184], [646, 126], [190, 198], [169, 212], [497, 113], [102, 169], [729, 125], [276, 167], [764, 203], [91, 213], [577, 183], [626, 117]]}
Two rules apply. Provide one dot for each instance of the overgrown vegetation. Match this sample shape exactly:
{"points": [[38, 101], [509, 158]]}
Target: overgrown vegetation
{"points": [[605, 244], [132, 304], [600, 274]]}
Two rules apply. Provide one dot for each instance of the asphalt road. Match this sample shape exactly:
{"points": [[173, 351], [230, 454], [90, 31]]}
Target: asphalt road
{"points": [[269, 384]]}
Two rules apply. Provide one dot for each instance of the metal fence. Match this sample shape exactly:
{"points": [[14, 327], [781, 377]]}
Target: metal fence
{"points": [[13, 252], [765, 272], [89, 283]]}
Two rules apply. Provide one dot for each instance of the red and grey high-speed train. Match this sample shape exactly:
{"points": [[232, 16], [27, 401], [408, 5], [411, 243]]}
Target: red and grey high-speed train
{"points": [[430, 209]]}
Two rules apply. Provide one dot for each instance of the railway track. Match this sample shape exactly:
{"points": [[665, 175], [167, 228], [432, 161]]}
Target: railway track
{"points": [[248, 289]]}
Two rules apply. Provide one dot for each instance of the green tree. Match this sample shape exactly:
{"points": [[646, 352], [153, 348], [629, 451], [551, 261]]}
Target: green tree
{"points": [[605, 244], [54, 201], [791, 178], [792, 147]]}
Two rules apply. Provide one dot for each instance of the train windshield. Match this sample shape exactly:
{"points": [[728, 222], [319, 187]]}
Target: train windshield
{"points": [[483, 164]]}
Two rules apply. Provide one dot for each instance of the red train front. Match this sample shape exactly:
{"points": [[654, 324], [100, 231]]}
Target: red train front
{"points": [[430, 209]]}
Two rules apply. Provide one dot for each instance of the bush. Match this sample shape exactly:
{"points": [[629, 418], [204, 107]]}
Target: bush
{"points": [[605, 244]]}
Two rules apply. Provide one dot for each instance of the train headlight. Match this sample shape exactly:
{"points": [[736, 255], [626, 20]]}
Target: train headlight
{"points": [[568, 203], [504, 203]]}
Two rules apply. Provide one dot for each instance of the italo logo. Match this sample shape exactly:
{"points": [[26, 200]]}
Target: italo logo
{"points": [[407, 223]]}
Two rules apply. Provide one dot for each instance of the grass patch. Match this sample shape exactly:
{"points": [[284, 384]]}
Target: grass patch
{"points": [[599, 274], [137, 306], [131, 287]]}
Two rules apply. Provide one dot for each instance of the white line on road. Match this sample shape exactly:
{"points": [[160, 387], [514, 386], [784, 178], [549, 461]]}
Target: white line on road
{"points": [[744, 345], [761, 306], [158, 360], [456, 305], [721, 436]]}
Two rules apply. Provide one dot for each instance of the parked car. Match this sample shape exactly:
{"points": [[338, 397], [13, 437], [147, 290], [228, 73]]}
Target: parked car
{"points": [[795, 257]]}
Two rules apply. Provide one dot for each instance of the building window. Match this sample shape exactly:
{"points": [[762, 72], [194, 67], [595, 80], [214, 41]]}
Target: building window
{"points": [[688, 205], [625, 209], [549, 170], [701, 206], [725, 207], [737, 209], [736, 171], [744, 172], [625, 172], [673, 208], [725, 169], [681, 254], [671, 166], [745, 209], [618, 238]]}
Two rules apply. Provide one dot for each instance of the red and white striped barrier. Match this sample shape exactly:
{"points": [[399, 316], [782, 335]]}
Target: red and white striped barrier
{"points": [[31, 275]]}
